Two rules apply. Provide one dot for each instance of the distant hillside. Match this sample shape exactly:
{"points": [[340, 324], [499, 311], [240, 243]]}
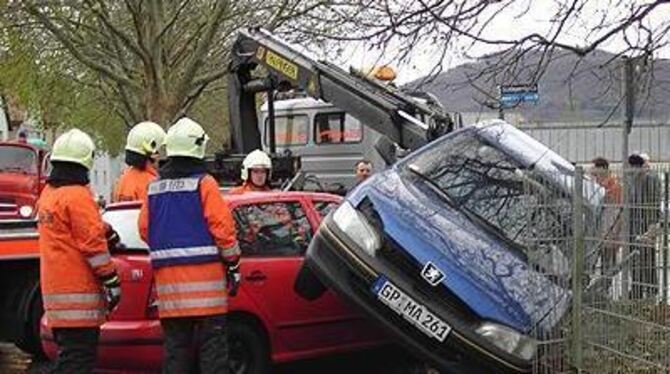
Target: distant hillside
{"points": [[589, 95]]}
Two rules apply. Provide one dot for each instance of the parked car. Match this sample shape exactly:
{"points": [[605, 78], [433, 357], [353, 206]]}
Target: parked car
{"points": [[269, 322], [433, 248]]}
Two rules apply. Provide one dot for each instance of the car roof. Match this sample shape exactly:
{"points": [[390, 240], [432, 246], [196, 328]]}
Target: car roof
{"points": [[248, 197]]}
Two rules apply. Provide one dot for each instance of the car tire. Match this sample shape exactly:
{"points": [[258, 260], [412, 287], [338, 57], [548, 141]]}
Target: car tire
{"points": [[307, 285], [29, 340], [248, 349]]}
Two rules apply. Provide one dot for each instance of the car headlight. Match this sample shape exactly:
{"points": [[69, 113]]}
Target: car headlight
{"points": [[26, 211], [356, 226], [509, 340]]}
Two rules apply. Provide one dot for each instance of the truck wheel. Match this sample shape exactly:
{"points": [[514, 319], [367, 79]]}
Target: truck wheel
{"points": [[248, 350], [30, 341]]}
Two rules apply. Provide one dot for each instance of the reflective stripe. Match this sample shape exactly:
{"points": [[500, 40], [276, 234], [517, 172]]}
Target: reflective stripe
{"points": [[165, 289], [99, 259], [204, 302], [183, 252], [72, 298], [232, 251], [74, 314], [173, 185]]}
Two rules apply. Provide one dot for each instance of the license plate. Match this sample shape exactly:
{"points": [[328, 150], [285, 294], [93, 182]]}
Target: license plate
{"points": [[412, 311]]}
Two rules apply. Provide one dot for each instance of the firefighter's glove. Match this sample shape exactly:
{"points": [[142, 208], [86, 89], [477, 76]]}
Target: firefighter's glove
{"points": [[233, 278], [112, 288], [113, 238]]}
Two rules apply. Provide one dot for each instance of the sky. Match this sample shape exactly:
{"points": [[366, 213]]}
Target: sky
{"points": [[521, 18]]}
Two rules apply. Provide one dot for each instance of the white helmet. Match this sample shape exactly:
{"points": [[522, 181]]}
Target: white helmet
{"points": [[257, 159], [145, 138], [186, 138], [74, 146]]}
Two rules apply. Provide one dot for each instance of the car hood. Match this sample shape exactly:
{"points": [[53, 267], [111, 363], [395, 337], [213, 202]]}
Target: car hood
{"points": [[484, 272]]}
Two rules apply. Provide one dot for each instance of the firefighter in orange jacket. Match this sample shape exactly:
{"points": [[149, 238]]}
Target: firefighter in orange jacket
{"points": [[78, 279], [256, 172], [144, 141], [194, 253]]}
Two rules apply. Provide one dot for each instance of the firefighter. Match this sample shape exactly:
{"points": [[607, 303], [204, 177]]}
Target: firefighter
{"points": [[144, 141], [194, 253], [256, 173], [79, 282]]}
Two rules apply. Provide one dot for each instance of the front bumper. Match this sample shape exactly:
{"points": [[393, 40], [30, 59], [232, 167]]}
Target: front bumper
{"points": [[349, 272]]}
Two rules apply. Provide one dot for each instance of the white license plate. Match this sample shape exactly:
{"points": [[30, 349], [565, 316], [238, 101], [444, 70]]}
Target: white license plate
{"points": [[412, 311]]}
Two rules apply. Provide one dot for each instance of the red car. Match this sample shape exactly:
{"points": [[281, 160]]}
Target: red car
{"points": [[270, 322]]}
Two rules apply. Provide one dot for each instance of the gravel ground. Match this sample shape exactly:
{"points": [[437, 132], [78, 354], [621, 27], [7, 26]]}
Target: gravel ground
{"points": [[389, 360]]}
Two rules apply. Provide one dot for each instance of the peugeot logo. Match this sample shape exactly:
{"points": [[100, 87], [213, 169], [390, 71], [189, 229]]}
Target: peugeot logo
{"points": [[432, 274]]}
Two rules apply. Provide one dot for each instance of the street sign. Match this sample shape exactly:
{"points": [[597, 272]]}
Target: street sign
{"points": [[513, 94]]}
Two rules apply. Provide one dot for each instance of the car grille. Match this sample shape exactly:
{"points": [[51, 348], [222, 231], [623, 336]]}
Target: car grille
{"points": [[7, 205], [397, 258]]}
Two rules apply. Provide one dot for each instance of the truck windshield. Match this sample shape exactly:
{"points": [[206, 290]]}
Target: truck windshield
{"points": [[497, 191], [17, 160]]}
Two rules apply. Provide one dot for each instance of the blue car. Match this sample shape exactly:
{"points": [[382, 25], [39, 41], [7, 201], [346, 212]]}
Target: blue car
{"points": [[433, 248]]}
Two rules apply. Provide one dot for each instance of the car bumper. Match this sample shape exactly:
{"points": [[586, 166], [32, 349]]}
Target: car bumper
{"points": [[123, 345], [342, 267]]}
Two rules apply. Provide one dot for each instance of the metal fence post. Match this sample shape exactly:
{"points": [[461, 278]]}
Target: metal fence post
{"points": [[577, 268], [666, 197]]}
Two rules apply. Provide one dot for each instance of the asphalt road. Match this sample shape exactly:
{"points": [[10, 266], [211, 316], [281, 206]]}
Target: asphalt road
{"points": [[389, 360]]}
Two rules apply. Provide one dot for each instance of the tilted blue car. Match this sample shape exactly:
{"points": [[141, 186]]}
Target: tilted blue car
{"points": [[433, 248]]}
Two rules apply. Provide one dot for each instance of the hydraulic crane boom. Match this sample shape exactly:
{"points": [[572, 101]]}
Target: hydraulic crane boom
{"points": [[387, 110]]}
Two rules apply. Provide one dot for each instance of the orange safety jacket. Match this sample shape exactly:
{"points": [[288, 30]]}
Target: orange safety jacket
{"points": [[193, 289], [247, 187], [74, 256], [133, 183]]}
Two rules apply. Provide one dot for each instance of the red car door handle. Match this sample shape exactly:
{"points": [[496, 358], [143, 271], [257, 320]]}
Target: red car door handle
{"points": [[256, 276]]}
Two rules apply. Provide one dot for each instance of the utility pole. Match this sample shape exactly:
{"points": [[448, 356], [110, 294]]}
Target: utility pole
{"points": [[628, 92]]}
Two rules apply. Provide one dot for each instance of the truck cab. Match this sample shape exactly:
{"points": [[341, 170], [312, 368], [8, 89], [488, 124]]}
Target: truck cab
{"points": [[328, 141], [23, 171]]}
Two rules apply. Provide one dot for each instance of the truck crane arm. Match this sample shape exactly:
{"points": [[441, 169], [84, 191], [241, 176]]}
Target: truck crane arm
{"points": [[408, 122]]}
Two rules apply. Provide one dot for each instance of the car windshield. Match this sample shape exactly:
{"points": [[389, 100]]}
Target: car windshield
{"points": [[18, 160], [124, 221], [494, 190]]}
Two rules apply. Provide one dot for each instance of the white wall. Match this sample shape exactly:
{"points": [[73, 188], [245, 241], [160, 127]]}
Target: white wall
{"points": [[105, 172]]}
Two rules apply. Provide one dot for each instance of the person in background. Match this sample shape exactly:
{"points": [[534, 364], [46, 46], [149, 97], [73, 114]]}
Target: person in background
{"points": [[611, 216], [142, 146], [363, 169], [256, 173], [644, 200]]}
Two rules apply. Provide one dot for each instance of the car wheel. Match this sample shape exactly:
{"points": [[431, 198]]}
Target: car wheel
{"points": [[30, 341], [248, 350]]}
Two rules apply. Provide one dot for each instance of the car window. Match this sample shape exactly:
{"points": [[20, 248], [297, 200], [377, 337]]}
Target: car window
{"points": [[289, 130], [124, 221], [333, 128], [272, 229], [325, 207]]}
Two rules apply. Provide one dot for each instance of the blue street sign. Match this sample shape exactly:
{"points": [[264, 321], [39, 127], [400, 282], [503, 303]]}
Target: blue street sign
{"points": [[518, 93]]}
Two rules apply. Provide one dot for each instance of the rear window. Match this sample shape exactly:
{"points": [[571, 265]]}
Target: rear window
{"points": [[336, 128], [124, 221], [289, 130]]}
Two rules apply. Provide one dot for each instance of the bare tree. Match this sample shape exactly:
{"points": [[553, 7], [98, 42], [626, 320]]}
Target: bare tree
{"points": [[151, 59]]}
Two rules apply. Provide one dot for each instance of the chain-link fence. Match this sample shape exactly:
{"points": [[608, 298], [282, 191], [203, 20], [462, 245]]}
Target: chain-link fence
{"points": [[603, 236]]}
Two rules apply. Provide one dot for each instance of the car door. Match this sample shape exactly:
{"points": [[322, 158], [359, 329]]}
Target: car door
{"points": [[273, 237]]}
